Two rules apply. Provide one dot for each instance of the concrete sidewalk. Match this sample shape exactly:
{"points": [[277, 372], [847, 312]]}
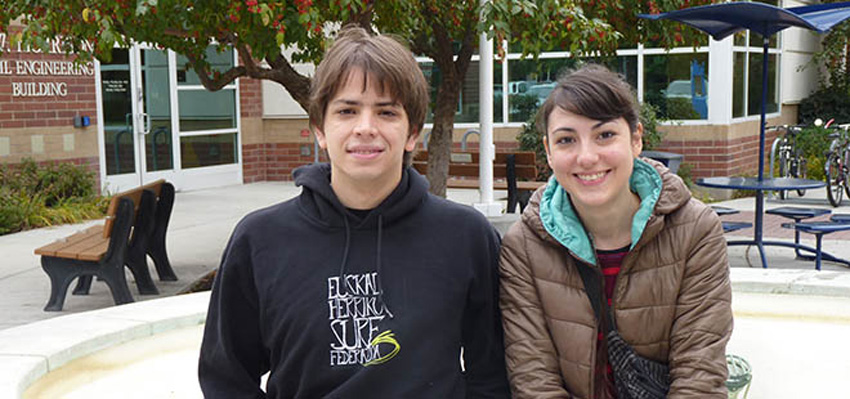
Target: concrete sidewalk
{"points": [[203, 220]]}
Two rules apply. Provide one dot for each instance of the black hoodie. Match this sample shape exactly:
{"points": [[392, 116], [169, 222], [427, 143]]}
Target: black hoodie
{"points": [[340, 305]]}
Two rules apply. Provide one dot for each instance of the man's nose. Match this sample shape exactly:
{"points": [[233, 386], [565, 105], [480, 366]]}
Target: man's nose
{"points": [[365, 124]]}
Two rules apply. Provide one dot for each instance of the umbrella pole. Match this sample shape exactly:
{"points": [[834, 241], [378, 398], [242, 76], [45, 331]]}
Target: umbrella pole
{"points": [[759, 193], [763, 107]]}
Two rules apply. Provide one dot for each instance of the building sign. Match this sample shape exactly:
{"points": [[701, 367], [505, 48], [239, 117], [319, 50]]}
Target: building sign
{"points": [[28, 73]]}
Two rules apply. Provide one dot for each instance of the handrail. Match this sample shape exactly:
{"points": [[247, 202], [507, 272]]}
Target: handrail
{"points": [[465, 135]]}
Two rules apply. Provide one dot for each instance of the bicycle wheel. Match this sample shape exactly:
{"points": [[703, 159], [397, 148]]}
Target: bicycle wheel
{"points": [[834, 179], [846, 174], [783, 171], [800, 169]]}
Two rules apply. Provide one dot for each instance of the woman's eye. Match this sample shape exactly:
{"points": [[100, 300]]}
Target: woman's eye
{"points": [[565, 140], [607, 135]]}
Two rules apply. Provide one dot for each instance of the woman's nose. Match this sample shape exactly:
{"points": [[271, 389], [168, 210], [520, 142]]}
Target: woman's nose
{"points": [[587, 155]]}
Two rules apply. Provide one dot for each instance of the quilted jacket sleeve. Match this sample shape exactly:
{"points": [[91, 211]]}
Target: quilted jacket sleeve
{"points": [[531, 358], [703, 320]]}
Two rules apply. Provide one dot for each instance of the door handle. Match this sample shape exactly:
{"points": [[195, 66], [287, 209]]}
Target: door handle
{"points": [[145, 120]]}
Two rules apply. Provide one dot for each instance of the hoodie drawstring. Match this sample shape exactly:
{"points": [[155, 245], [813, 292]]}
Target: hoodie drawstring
{"points": [[377, 262], [345, 256], [378, 266]]}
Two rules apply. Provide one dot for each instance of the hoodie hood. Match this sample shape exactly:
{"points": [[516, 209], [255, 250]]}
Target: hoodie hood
{"points": [[551, 214], [321, 205]]}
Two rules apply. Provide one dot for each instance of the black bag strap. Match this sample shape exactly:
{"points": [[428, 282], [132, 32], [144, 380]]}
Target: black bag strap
{"points": [[593, 288]]}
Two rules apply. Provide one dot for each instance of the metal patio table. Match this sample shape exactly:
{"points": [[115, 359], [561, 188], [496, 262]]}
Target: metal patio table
{"points": [[760, 186], [725, 19]]}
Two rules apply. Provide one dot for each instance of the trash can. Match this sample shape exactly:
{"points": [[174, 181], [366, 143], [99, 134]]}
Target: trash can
{"points": [[671, 160], [740, 375]]}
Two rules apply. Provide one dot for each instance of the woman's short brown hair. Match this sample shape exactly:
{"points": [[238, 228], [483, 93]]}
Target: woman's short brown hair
{"points": [[594, 92], [380, 57]]}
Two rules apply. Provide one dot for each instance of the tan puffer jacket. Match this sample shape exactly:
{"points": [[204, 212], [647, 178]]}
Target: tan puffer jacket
{"points": [[672, 301]]}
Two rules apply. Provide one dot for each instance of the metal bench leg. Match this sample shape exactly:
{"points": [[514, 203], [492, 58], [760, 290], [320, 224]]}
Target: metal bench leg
{"points": [[160, 259], [524, 197], [510, 174], [156, 243], [818, 255], [139, 267], [797, 241], [83, 286], [61, 275], [117, 282]]}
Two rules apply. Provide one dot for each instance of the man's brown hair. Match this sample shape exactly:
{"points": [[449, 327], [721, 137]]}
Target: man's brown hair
{"points": [[594, 92], [380, 57]]}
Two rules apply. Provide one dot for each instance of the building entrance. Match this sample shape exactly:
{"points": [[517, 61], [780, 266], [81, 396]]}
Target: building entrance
{"points": [[157, 121]]}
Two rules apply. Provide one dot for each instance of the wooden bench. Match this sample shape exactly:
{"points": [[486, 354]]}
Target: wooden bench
{"points": [[512, 171], [103, 250]]}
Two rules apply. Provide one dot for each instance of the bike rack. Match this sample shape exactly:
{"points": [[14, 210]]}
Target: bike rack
{"points": [[771, 194]]}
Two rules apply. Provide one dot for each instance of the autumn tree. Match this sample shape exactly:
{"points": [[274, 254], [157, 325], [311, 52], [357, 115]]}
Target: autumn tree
{"points": [[272, 35]]}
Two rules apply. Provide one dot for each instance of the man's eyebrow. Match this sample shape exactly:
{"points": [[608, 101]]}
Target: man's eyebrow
{"points": [[355, 102]]}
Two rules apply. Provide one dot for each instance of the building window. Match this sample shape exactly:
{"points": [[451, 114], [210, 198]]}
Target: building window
{"points": [[747, 80], [207, 119], [677, 85]]}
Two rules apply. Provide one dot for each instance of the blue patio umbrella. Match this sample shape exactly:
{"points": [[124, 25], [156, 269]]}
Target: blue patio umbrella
{"points": [[722, 20]]}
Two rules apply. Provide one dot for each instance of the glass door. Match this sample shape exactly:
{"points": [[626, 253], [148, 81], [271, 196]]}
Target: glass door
{"points": [[137, 128], [158, 121]]}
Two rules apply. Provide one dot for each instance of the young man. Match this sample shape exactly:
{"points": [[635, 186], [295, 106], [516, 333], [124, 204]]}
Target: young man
{"points": [[364, 286]]}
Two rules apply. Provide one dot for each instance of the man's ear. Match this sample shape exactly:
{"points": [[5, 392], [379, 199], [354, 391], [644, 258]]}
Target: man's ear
{"points": [[410, 145], [320, 137]]}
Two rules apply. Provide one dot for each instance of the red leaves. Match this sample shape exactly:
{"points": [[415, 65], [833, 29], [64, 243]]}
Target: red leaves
{"points": [[653, 8], [303, 5]]}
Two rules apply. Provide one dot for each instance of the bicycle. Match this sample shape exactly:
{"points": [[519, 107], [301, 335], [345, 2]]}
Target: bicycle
{"points": [[837, 163], [792, 162]]}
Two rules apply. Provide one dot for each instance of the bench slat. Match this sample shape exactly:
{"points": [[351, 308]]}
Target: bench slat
{"points": [[520, 157], [94, 253], [85, 245], [498, 184], [135, 195], [52, 248], [471, 170]]}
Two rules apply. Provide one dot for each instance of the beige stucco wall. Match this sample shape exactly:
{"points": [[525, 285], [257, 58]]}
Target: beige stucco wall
{"points": [[286, 130], [47, 143]]}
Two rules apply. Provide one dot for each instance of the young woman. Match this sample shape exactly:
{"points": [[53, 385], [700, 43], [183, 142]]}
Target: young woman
{"points": [[660, 254]]}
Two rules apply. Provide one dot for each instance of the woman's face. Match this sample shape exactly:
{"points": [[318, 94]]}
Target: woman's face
{"points": [[592, 160]]}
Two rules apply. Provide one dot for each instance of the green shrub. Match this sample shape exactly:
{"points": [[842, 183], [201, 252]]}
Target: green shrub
{"points": [[681, 108], [826, 103], [531, 140], [652, 137], [813, 142], [36, 196]]}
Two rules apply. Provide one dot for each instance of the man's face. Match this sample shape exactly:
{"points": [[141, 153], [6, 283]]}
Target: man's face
{"points": [[365, 134]]}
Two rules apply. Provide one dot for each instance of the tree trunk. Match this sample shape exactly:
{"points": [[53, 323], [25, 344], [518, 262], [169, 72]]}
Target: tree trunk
{"points": [[440, 141]]}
